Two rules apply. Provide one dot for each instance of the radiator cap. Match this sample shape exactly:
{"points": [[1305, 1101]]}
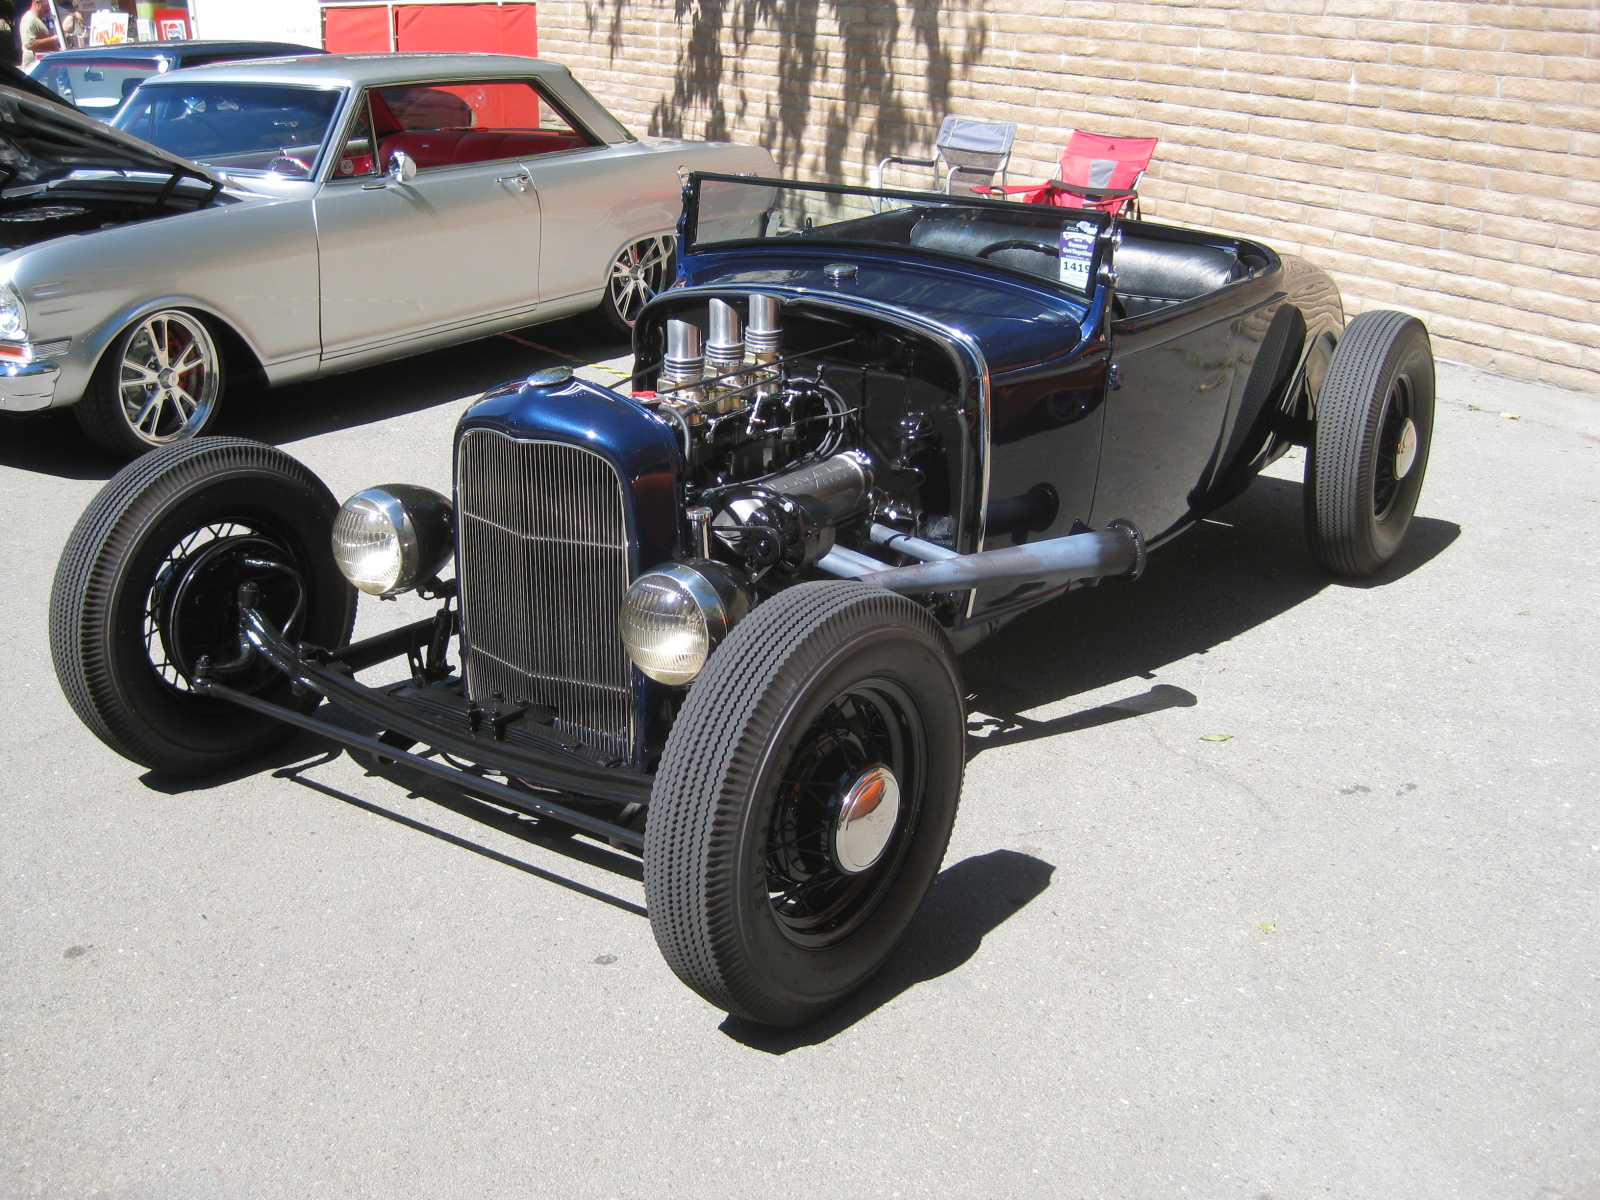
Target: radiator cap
{"points": [[550, 377]]}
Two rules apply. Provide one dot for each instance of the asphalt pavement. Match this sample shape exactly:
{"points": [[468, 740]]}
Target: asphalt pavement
{"points": [[1263, 886]]}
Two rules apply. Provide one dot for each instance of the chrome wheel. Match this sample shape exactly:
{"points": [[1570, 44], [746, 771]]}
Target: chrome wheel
{"points": [[642, 269], [168, 377]]}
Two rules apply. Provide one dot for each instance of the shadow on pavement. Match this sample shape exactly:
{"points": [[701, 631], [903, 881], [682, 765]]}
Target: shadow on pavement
{"points": [[1007, 729], [1238, 570], [967, 902], [525, 828], [412, 384], [1243, 567], [51, 444], [305, 751], [299, 746]]}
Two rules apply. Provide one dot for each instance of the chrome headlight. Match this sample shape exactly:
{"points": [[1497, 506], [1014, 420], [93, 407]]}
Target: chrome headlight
{"points": [[673, 617], [389, 539], [13, 319]]}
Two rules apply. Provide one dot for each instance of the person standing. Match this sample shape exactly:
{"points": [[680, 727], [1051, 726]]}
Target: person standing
{"points": [[74, 30], [37, 36]]}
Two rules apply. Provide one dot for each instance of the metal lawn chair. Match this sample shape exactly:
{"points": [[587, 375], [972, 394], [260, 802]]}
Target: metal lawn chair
{"points": [[968, 153], [1095, 172]]}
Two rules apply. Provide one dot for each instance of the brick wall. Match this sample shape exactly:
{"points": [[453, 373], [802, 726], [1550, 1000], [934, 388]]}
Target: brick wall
{"points": [[1438, 156]]}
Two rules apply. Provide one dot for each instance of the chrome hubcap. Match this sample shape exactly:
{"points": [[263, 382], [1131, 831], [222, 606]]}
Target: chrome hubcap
{"points": [[1405, 452], [867, 814]]}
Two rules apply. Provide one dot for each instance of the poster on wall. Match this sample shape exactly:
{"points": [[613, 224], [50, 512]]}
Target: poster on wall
{"points": [[172, 24], [108, 28]]}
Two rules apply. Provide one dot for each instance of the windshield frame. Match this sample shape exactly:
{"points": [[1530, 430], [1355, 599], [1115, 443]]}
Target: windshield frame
{"points": [[886, 204], [153, 91]]}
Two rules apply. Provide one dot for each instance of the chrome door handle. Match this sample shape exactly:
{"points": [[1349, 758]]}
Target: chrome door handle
{"points": [[522, 179]]}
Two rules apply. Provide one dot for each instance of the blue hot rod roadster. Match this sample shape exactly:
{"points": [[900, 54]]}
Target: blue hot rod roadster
{"points": [[714, 617]]}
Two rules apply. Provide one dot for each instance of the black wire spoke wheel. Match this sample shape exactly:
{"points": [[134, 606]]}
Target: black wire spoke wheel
{"points": [[159, 383], [1369, 451], [641, 270], [844, 812], [1397, 449], [804, 800], [148, 588], [191, 611]]}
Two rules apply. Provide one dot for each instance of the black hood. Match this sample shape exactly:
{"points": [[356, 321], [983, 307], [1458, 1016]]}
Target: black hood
{"points": [[43, 138], [14, 77]]}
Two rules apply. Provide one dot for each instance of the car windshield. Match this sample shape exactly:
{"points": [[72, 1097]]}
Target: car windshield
{"points": [[96, 85], [247, 128], [1061, 245]]}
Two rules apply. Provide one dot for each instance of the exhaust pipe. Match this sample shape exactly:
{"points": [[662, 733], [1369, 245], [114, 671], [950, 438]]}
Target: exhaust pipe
{"points": [[1118, 549]]}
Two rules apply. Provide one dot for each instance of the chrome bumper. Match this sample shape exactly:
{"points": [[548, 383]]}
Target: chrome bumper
{"points": [[27, 387]]}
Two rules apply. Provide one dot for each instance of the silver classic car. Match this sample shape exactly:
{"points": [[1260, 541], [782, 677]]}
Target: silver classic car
{"points": [[278, 220]]}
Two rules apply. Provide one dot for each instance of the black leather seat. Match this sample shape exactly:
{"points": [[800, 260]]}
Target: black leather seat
{"points": [[1151, 273], [1019, 245], [1154, 274]]}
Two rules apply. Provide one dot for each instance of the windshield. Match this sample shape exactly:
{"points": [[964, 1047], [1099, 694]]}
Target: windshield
{"points": [[96, 85], [1061, 245], [245, 128]]}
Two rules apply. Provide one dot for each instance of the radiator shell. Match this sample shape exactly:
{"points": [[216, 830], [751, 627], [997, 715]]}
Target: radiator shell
{"points": [[564, 493]]}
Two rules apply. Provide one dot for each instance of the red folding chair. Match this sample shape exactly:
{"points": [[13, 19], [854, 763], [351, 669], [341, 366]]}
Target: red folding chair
{"points": [[1096, 172]]}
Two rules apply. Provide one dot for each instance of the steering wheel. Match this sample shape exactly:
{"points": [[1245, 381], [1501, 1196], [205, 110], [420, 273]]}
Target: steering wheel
{"points": [[1018, 244], [288, 164]]}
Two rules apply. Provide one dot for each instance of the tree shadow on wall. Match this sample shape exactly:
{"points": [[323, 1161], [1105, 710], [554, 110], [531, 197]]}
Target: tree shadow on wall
{"points": [[844, 82]]}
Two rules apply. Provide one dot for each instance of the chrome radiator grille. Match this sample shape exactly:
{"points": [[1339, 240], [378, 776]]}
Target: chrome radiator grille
{"points": [[543, 563]]}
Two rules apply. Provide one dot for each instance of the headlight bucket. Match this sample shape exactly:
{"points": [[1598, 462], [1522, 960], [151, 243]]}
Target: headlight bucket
{"points": [[389, 539], [673, 617], [13, 317]]}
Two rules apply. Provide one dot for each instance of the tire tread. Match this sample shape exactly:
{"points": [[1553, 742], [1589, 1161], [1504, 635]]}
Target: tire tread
{"points": [[707, 755], [1338, 502], [86, 579]]}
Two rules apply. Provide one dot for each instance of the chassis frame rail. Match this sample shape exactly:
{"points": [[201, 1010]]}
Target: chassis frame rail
{"points": [[304, 667]]}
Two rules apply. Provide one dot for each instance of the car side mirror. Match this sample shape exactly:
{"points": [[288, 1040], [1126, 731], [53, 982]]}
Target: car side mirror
{"points": [[402, 167]]}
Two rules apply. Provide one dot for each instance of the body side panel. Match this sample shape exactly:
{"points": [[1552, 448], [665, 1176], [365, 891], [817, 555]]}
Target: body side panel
{"points": [[251, 265]]}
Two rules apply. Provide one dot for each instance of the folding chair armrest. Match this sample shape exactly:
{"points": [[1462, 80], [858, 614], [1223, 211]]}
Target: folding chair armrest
{"points": [[907, 162], [1097, 194], [877, 171], [988, 189]]}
